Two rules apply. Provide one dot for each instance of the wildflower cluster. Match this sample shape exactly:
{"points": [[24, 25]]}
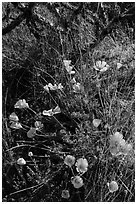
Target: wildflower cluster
{"points": [[81, 167], [22, 104], [14, 120], [102, 66], [118, 145], [77, 87]]}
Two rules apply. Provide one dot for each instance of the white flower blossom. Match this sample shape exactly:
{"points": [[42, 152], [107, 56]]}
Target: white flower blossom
{"points": [[30, 154], [15, 125], [77, 182], [48, 112], [82, 165], [69, 160], [65, 194], [119, 65], [21, 161], [38, 125], [13, 117], [112, 186], [46, 88], [53, 87], [101, 66], [52, 112], [56, 110], [68, 67], [21, 104], [96, 122]]}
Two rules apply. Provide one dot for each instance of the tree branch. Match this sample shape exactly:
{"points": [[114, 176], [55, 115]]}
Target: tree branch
{"points": [[13, 24], [18, 20], [108, 29]]}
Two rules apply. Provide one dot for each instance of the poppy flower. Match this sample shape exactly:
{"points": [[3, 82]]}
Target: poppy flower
{"points": [[112, 186], [15, 125], [68, 67], [13, 117], [65, 194], [77, 182], [69, 160], [21, 104], [81, 165], [96, 122], [101, 66], [31, 133], [21, 161]]}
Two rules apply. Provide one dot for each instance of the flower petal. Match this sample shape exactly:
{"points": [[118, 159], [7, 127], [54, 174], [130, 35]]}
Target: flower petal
{"points": [[60, 87], [13, 117], [46, 88], [56, 110], [98, 64], [103, 64], [65, 194], [77, 182], [104, 69], [119, 65], [21, 104], [15, 125], [69, 160], [48, 112], [67, 62]]}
